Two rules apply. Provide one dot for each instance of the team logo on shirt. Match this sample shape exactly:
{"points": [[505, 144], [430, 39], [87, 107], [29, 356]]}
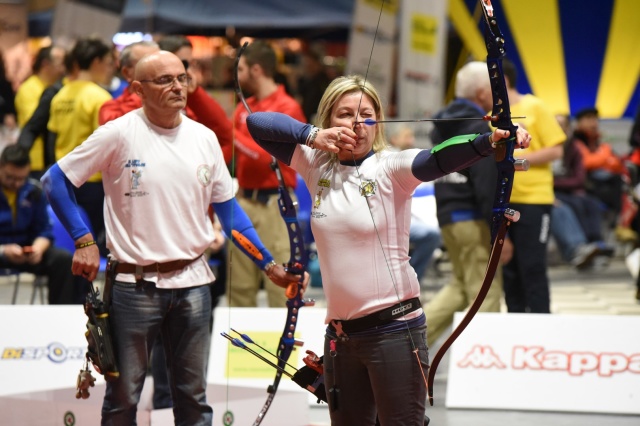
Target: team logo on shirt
{"points": [[322, 184], [135, 178], [368, 188], [204, 174]]}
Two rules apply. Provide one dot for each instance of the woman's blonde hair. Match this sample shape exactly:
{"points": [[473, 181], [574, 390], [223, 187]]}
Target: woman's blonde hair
{"points": [[346, 85]]}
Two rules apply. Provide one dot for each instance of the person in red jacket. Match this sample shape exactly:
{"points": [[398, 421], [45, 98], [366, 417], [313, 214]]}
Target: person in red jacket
{"points": [[205, 109], [129, 100], [258, 192], [605, 169]]}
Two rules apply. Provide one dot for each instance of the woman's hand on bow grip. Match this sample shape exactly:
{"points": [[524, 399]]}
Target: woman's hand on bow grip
{"points": [[523, 138]]}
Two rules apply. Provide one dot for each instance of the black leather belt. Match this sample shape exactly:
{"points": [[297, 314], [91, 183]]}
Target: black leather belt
{"points": [[376, 319], [260, 195]]}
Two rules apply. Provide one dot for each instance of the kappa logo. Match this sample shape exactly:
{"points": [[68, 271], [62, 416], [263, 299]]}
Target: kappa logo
{"points": [[481, 357], [537, 358]]}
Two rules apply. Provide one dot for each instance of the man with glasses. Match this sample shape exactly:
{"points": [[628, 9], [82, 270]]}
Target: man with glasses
{"points": [[25, 229], [161, 172]]}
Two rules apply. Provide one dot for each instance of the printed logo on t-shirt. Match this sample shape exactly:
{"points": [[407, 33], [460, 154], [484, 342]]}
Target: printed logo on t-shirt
{"points": [[135, 178], [204, 174], [368, 188]]}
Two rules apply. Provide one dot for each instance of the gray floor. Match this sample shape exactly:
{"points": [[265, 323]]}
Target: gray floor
{"points": [[607, 290]]}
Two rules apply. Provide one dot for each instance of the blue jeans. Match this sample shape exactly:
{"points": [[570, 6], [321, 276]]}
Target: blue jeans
{"points": [[377, 374], [566, 230], [139, 312], [424, 239]]}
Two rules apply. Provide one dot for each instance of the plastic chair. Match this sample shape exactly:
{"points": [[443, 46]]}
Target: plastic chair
{"points": [[39, 283]]}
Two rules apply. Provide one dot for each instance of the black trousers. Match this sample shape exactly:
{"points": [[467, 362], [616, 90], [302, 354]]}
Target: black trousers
{"points": [[525, 279], [64, 287]]}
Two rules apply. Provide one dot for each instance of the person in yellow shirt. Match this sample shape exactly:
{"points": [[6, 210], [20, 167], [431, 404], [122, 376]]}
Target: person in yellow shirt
{"points": [[525, 279], [48, 67], [74, 116]]}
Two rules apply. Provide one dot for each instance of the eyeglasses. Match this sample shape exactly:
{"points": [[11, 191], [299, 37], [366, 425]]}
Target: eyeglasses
{"points": [[169, 80]]}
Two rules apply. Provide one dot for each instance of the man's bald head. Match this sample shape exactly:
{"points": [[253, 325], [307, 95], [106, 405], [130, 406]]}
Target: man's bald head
{"points": [[154, 64], [161, 82]]}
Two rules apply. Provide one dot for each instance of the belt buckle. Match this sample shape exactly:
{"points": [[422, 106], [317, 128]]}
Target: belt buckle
{"points": [[138, 273]]}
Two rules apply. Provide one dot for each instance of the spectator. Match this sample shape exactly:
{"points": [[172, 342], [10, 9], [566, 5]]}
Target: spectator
{"points": [[605, 170], [128, 100], [574, 246], [74, 116], [203, 107], [162, 282], [634, 142], [258, 192], [526, 283], [36, 126], [464, 203], [569, 184], [312, 83], [26, 236], [48, 68], [8, 128]]}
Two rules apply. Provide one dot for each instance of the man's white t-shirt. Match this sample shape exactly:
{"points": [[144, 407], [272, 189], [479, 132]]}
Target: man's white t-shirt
{"points": [[360, 220], [158, 186]]}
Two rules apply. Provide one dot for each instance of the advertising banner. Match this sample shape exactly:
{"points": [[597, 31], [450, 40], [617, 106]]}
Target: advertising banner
{"points": [[573, 363]]}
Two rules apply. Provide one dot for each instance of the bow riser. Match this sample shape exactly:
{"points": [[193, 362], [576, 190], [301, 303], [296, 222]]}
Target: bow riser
{"points": [[507, 165], [298, 259]]}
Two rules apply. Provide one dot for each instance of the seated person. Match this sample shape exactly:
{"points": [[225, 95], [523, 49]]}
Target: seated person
{"points": [[605, 170], [569, 184], [572, 242], [26, 233]]}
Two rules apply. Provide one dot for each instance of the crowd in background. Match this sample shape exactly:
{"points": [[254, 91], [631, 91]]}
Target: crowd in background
{"points": [[594, 213]]}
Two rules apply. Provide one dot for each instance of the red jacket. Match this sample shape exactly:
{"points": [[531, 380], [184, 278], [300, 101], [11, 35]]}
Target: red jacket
{"points": [[252, 163]]}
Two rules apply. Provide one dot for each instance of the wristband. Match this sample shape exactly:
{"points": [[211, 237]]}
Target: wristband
{"points": [[311, 137], [269, 266], [87, 244]]}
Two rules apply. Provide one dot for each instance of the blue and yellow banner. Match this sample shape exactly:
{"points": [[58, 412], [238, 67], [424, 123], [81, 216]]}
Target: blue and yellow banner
{"points": [[572, 54]]}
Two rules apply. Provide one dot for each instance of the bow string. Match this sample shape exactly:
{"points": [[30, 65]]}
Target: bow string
{"points": [[502, 215], [296, 265]]}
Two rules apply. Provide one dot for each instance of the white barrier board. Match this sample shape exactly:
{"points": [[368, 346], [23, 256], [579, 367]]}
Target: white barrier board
{"points": [[42, 350], [574, 363], [231, 365]]}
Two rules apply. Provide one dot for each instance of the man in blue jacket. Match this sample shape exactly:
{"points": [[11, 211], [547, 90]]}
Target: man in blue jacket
{"points": [[25, 229]]}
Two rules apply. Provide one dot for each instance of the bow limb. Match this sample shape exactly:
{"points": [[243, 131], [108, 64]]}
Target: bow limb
{"points": [[296, 265], [502, 215]]}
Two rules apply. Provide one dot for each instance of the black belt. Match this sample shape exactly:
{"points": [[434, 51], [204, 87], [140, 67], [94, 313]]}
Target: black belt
{"points": [[260, 195], [376, 319]]}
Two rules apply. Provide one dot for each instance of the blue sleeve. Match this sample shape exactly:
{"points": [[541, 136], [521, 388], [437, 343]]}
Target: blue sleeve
{"points": [[232, 217], [451, 156], [277, 133], [59, 191]]}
